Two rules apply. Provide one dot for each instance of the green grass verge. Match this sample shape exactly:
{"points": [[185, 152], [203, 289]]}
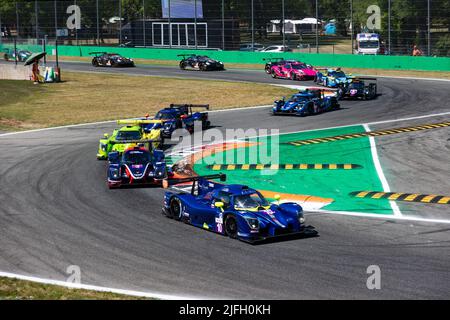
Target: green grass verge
{"points": [[15, 289], [89, 97]]}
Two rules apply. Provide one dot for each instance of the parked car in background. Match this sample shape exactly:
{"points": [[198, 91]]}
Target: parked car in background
{"points": [[251, 47], [276, 48]]}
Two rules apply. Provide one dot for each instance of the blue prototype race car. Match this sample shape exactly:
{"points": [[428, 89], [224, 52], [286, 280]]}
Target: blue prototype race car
{"points": [[306, 102], [333, 78], [234, 210], [179, 116], [136, 166]]}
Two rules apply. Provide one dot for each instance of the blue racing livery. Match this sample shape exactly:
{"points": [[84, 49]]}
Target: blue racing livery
{"points": [[306, 102], [179, 116], [333, 78], [234, 210], [136, 166]]}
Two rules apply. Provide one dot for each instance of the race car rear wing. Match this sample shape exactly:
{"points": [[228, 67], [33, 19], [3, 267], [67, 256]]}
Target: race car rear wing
{"points": [[168, 182], [137, 122], [364, 78], [97, 52], [205, 106], [134, 141], [184, 55], [272, 59]]}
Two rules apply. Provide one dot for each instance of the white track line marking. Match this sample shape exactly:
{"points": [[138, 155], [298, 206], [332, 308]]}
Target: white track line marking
{"points": [[96, 288], [238, 109], [381, 176], [383, 216]]}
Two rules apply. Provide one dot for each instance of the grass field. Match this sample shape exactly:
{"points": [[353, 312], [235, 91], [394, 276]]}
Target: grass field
{"points": [[14, 289], [84, 97]]}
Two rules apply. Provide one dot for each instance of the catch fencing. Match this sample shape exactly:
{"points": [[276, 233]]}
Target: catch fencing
{"points": [[306, 26]]}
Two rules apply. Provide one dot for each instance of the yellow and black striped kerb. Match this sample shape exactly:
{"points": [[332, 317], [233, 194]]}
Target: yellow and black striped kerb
{"points": [[369, 134], [395, 196], [297, 166]]}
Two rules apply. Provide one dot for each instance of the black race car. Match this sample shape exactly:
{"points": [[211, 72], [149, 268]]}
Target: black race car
{"points": [[359, 88], [202, 63], [270, 62], [104, 59]]}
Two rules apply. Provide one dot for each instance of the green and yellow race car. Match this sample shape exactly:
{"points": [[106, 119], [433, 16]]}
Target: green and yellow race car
{"points": [[136, 132]]}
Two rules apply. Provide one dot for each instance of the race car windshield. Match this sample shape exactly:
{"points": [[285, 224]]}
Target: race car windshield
{"points": [[136, 157], [357, 85], [298, 99], [337, 74], [164, 116], [128, 135], [298, 66], [250, 201]]}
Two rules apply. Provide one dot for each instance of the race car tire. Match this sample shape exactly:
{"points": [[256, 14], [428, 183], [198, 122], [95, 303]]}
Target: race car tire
{"points": [[206, 125], [202, 67], [6, 57], [274, 75], [293, 76], [95, 62], [231, 228], [267, 69], [176, 210], [182, 65]]}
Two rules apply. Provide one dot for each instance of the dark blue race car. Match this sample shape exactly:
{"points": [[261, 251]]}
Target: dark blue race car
{"points": [[306, 102], [359, 88], [136, 166], [181, 116], [234, 210]]}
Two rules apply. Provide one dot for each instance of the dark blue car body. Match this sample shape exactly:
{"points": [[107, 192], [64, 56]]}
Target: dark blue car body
{"points": [[245, 215], [136, 166], [307, 102], [179, 117]]}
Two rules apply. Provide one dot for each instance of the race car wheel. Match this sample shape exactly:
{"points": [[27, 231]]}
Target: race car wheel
{"points": [[231, 227], [95, 62], [6, 57], [182, 65], [176, 211], [274, 75], [267, 69], [202, 67], [293, 77]]}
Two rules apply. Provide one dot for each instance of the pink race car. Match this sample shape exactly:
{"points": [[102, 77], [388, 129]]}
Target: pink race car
{"points": [[293, 71]]}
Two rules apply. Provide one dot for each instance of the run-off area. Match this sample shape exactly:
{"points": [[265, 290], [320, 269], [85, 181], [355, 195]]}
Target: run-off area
{"points": [[321, 185]]}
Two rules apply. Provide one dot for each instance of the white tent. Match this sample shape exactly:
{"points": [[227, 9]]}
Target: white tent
{"points": [[293, 26]]}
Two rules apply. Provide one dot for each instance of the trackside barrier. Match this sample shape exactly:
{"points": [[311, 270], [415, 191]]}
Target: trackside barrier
{"points": [[337, 60]]}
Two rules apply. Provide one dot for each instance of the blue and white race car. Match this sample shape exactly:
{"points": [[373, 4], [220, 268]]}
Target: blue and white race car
{"points": [[333, 78], [306, 102], [136, 166], [234, 210]]}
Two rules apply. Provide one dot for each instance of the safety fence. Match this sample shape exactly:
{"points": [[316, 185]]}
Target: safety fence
{"points": [[306, 26], [240, 57]]}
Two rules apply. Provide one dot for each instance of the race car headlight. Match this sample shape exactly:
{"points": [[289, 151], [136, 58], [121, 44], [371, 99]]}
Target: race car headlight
{"points": [[159, 174], [115, 173], [301, 218], [253, 223]]}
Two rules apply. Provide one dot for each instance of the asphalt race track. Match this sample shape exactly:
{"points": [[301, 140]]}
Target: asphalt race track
{"points": [[56, 211]]}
